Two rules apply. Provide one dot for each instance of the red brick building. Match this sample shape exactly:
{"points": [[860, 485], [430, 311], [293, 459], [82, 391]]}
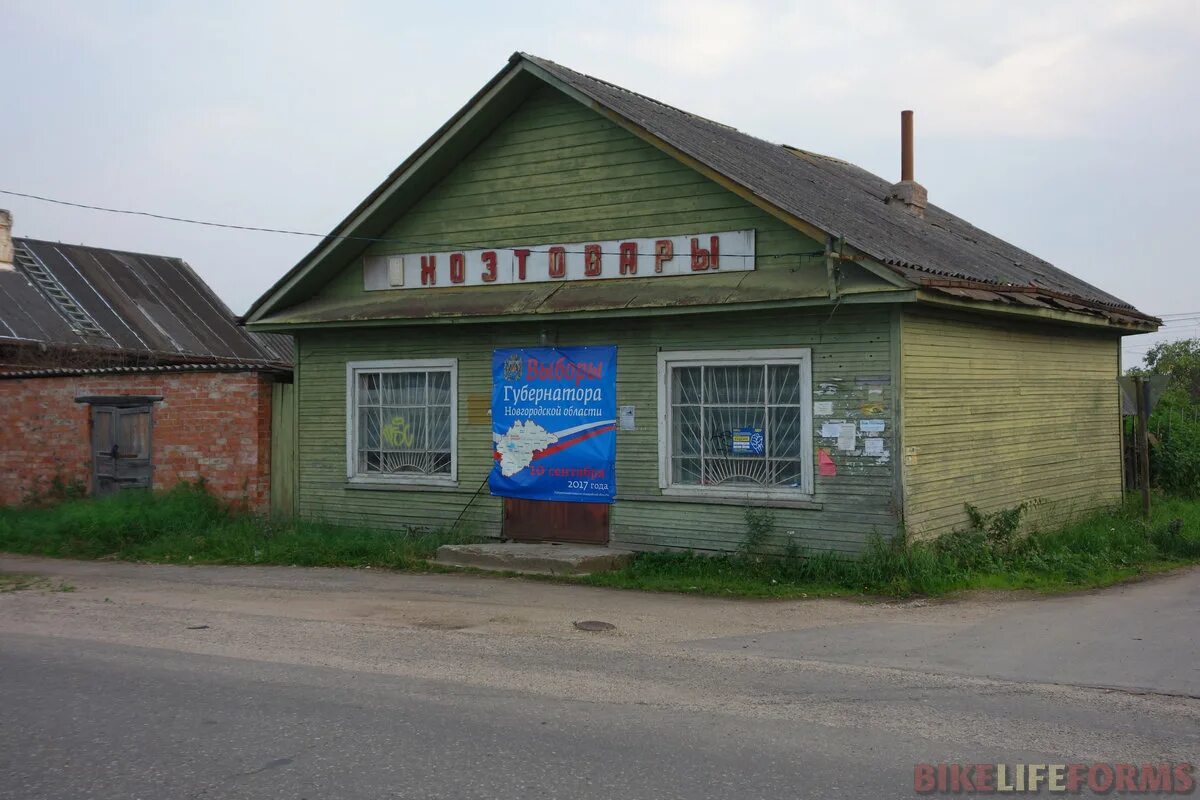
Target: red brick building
{"points": [[201, 421], [122, 370]]}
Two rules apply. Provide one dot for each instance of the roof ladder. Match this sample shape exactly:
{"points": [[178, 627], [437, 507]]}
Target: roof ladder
{"points": [[80, 320]]}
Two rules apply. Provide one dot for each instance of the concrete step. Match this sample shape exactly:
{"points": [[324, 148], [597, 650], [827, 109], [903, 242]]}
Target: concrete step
{"points": [[532, 558]]}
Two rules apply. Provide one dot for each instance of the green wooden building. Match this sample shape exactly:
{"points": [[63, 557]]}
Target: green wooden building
{"points": [[905, 362]]}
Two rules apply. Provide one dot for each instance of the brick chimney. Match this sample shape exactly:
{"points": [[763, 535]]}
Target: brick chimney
{"points": [[6, 247], [911, 194]]}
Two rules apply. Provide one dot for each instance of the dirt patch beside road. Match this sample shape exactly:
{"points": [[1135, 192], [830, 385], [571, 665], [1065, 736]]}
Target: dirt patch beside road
{"points": [[462, 602]]}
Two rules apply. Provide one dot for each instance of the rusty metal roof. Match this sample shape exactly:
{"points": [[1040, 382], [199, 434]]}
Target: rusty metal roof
{"points": [[109, 300], [837, 197]]}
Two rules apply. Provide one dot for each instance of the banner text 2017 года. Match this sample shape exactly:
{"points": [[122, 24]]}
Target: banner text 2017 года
{"points": [[554, 415]]}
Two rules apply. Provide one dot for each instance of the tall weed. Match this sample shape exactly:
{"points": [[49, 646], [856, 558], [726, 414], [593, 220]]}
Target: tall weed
{"points": [[188, 524]]}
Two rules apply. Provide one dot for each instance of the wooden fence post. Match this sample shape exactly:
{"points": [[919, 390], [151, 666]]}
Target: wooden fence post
{"points": [[1142, 385]]}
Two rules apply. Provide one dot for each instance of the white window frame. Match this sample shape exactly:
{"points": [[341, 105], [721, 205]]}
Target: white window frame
{"points": [[668, 359], [353, 368]]}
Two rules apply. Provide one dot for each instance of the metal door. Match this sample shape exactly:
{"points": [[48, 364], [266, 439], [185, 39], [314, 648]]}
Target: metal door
{"points": [[551, 521], [121, 449]]}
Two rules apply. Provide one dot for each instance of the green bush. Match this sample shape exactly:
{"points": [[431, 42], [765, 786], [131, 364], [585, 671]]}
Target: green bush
{"points": [[1095, 551], [1175, 459], [1175, 423]]}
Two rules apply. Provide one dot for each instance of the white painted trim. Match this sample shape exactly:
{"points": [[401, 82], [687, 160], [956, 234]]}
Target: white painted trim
{"points": [[405, 364], [760, 354], [400, 365], [780, 355], [747, 495]]}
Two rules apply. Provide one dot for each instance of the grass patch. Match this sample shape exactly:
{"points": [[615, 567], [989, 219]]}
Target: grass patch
{"points": [[188, 525], [1097, 551], [16, 581]]}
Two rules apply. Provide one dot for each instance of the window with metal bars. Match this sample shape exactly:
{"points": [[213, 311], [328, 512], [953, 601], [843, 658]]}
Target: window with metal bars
{"points": [[736, 422], [401, 422]]}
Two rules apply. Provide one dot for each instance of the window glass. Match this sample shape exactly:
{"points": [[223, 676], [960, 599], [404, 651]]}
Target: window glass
{"points": [[741, 384], [368, 388], [785, 384], [737, 425], [404, 422], [439, 388]]}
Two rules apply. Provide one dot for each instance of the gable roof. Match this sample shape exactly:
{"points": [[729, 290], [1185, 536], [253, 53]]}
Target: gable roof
{"points": [[111, 301], [938, 251]]}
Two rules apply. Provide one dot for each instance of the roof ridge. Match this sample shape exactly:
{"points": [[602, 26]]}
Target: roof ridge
{"points": [[646, 97], [822, 156], [96, 247]]}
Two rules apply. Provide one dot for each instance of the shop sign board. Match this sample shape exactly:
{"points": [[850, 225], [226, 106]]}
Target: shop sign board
{"points": [[652, 257]]}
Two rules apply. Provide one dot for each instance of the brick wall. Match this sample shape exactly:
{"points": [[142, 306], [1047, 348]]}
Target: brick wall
{"points": [[209, 424]]}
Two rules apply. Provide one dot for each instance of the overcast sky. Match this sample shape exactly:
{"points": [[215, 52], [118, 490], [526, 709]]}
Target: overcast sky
{"points": [[1072, 129]]}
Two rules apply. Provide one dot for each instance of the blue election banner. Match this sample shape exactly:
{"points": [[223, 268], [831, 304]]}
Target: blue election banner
{"points": [[554, 415]]}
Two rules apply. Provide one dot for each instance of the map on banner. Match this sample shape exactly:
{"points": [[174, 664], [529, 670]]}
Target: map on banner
{"points": [[554, 420], [517, 445]]}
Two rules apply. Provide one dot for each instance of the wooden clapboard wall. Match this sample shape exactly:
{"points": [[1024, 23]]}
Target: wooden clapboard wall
{"points": [[996, 413], [556, 171], [851, 351]]}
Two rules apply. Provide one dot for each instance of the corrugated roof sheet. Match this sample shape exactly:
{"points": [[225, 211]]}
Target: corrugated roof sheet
{"points": [[837, 197], [214, 366], [72, 295]]}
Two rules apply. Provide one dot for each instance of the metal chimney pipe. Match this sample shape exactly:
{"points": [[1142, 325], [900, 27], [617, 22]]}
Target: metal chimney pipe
{"points": [[906, 145]]}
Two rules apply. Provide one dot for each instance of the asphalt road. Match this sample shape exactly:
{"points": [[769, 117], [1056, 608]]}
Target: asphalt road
{"points": [[344, 684], [1141, 637]]}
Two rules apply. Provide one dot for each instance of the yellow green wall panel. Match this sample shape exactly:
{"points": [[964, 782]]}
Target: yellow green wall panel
{"points": [[996, 413]]}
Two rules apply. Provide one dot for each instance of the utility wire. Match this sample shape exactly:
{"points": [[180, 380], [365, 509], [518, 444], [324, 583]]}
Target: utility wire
{"points": [[1169, 319], [373, 239]]}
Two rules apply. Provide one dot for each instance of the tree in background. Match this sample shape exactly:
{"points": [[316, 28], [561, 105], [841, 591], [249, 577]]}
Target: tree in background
{"points": [[1175, 456], [1181, 360]]}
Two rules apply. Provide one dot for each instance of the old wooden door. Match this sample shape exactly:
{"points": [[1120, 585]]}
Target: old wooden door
{"points": [[121, 448], [550, 521]]}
